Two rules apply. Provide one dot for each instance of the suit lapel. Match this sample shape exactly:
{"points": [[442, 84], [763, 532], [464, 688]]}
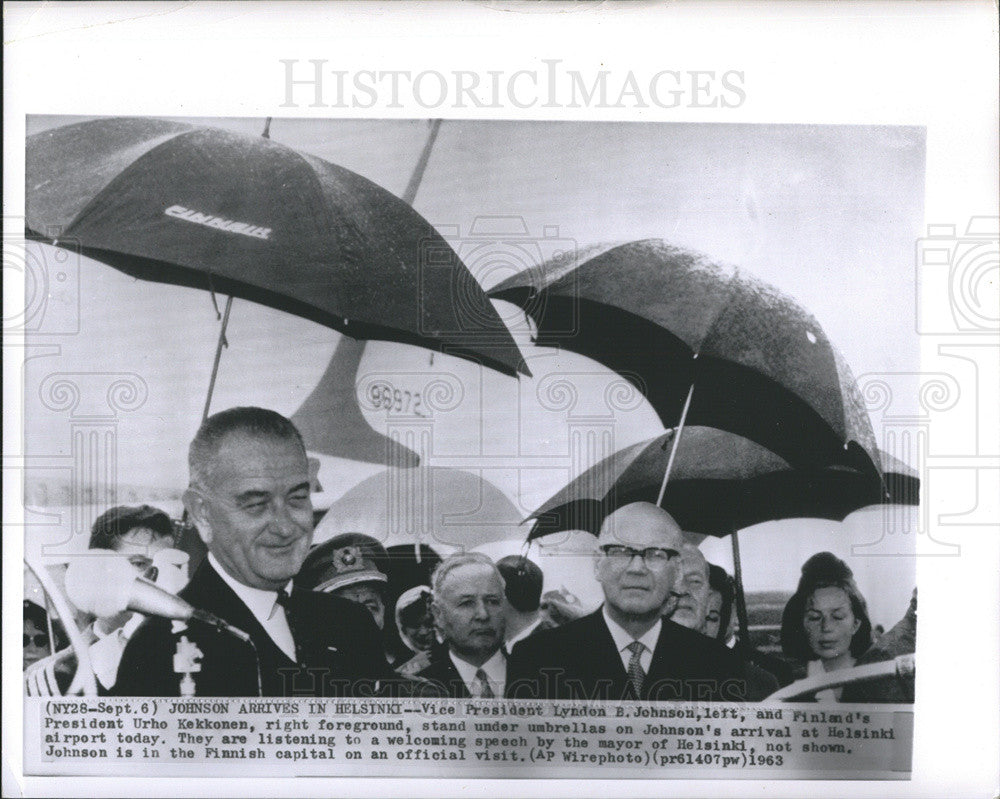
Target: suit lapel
{"points": [[670, 658], [443, 670], [602, 655], [209, 591], [317, 637]]}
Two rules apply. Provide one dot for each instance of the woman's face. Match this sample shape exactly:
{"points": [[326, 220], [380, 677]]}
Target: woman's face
{"points": [[713, 614], [421, 633], [36, 643], [830, 623]]}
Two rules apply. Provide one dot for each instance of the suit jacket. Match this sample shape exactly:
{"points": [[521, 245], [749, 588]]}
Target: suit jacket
{"points": [[442, 674], [338, 645], [760, 682], [579, 660]]}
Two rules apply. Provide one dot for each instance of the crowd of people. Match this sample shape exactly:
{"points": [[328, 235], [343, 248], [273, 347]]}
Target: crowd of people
{"points": [[337, 619]]}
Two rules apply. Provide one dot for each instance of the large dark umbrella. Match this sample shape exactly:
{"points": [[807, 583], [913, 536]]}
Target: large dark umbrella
{"points": [[248, 217], [330, 419], [719, 483], [708, 345]]}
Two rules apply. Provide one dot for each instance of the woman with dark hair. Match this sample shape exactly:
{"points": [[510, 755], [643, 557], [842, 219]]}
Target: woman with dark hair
{"points": [[37, 644], [825, 624], [719, 614]]}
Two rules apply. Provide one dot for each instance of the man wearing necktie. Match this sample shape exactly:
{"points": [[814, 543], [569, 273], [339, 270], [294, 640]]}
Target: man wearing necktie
{"points": [[627, 649], [468, 609], [249, 498]]}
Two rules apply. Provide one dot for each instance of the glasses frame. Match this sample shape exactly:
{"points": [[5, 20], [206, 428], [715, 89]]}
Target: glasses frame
{"points": [[32, 640], [625, 554]]}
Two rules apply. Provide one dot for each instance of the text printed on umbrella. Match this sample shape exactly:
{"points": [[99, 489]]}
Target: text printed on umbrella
{"points": [[218, 222]]}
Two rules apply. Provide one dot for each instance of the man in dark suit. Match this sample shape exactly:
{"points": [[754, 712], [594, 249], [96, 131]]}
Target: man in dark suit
{"points": [[468, 609], [523, 581], [626, 649], [718, 625], [249, 498]]}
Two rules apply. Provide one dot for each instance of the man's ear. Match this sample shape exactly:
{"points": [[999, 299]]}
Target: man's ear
{"points": [[597, 561], [195, 505]]}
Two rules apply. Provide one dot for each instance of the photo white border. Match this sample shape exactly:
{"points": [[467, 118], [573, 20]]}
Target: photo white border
{"points": [[931, 65]]}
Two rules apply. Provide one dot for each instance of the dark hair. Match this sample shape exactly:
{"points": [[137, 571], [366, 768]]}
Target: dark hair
{"points": [[523, 582], [38, 616], [112, 525], [258, 422], [719, 580], [823, 570]]}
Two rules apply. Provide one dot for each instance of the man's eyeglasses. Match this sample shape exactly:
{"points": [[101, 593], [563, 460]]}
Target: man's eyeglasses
{"points": [[653, 557], [38, 639]]}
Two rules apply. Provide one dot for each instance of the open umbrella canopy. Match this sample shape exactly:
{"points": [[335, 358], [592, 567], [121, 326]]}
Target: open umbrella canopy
{"points": [[720, 483], [248, 217], [667, 318], [444, 508]]}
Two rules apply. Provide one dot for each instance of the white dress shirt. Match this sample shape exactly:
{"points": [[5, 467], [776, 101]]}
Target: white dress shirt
{"points": [[495, 669], [264, 607], [622, 640], [106, 652]]}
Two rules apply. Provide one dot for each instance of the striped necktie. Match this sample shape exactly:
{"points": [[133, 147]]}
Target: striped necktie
{"points": [[636, 675], [482, 683]]}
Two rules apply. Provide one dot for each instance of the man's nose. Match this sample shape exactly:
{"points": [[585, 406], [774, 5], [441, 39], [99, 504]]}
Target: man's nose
{"points": [[282, 521], [637, 563], [481, 610]]}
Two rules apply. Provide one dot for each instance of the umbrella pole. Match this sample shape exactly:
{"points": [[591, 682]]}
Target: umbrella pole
{"points": [[266, 134], [741, 602], [218, 356], [418, 171], [676, 443]]}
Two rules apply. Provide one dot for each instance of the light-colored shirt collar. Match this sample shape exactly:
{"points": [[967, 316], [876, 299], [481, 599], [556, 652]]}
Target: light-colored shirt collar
{"points": [[495, 668], [622, 638], [261, 602]]}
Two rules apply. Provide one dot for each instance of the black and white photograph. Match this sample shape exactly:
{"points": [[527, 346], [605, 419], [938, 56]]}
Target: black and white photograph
{"points": [[510, 459], [429, 446]]}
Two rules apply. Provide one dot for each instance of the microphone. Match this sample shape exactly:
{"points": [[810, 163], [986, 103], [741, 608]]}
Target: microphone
{"points": [[105, 584]]}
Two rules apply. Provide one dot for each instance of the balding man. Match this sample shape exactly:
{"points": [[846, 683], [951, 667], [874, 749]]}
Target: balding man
{"points": [[249, 497], [691, 589], [626, 649]]}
